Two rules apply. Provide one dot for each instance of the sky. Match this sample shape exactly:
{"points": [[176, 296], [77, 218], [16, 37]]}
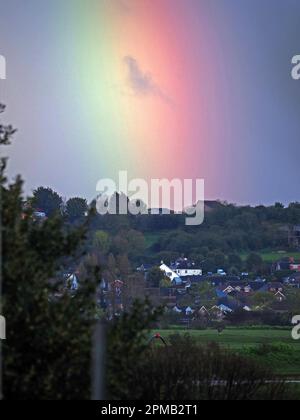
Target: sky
{"points": [[160, 88]]}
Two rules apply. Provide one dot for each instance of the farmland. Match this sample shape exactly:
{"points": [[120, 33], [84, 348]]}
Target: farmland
{"points": [[274, 347]]}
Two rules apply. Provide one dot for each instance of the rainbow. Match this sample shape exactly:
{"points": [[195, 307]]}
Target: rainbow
{"points": [[150, 100]]}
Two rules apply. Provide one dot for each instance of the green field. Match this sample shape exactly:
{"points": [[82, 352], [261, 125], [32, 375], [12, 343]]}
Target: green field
{"points": [[269, 256], [273, 256], [280, 352]]}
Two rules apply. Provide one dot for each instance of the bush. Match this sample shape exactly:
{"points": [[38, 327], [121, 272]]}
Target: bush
{"points": [[185, 370]]}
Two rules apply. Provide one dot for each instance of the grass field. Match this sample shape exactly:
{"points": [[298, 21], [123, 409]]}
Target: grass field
{"points": [[280, 352], [273, 256]]}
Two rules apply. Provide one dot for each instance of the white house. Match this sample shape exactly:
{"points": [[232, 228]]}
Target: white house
{"points": [[184, 268], [189, 311], [174, 277], [225, 309]]}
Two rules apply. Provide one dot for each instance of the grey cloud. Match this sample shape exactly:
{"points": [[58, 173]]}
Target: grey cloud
{"points": [[142, 82]]}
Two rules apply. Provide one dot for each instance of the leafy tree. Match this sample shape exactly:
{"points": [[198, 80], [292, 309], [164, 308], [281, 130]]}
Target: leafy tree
{"points": [[234, 260], [134, 289], [128, 339], [120, 244], [47, 351], [206, 294], [101, 241], [76, 208], [136, 242], [47, 200], [155, 276], [254, 263], [233, 271], [220, 260], [123, 265], [294, 300], [262, 300], [165, 283], [186, 370]]}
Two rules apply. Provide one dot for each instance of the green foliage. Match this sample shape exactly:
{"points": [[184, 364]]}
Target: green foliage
{"points": [[252, 342], [200, 373], [48, 340], [47, 200], [76, 209], [254, 263], [262, 300], [47, 351], [127, 343], [155, 277], [101, 241], [165, 283], [293, 299], [130, 242], [206, 294]]}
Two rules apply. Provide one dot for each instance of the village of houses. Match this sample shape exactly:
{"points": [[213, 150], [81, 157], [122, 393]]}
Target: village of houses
{"points": [[227, 294], [232, 292]]}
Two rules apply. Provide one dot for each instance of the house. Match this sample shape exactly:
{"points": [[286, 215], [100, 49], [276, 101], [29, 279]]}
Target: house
{"points": [[221, 294], [257, 285], [272, 287], [295, 267], [280, 297], [229, 289], [294, 281], [238, 287], [177, 310], [193, 279], [220, 281], [221, 272], [186, 310], [189, 311], [225, 309], [117, 287], [216, 313], [232, 303], [174, 277], [203, 311], [247, 289], [283, 265], [288, 264], [275, 287], [39, 215], [71, 281], [185, 268]]}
